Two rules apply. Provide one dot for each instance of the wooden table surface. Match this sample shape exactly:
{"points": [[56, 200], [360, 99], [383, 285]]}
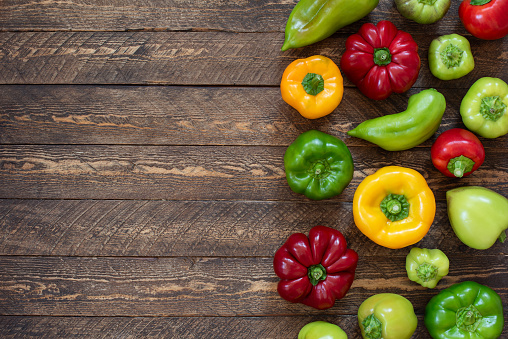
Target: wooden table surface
{"points": [[142, 186]]}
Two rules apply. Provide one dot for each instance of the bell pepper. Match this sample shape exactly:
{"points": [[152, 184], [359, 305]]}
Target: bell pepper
{"points": [[394, 207], [387, 316], [380, 59], [457, 153], [316, 270], [478, 215], [318, 165], [465, 310], [313, 86], [450, 57], [404, 130], [321, 330], [423, 11], [426, 266], [311, 21], [485, 19], [484, 107]]}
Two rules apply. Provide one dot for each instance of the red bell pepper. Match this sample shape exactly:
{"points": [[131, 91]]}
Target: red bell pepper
{"points": [[380, 60], [457, 153], [315, 270], [485, 19]]}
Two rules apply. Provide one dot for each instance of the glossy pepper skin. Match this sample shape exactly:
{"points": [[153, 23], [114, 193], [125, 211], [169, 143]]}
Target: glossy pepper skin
{"points": [[457, 153], [423, 11], [407, 129], [394, 207], [484, 108], [387, 316], [450, 57], [380, 59], [315, 270], [321, 330], [478, 215], [466, 310], [485, 19], [313, 86], [311, 21], [426, 266], [318, 165]]}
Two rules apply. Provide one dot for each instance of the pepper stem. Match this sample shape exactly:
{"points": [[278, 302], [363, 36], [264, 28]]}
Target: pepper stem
{"points": [[492, 108], [428, 2], [460, 165], [316, 273], [479, 2], [395, 207], [426, 272], [313, 83], [372, 327], [451, 56], [382, 56], [468, 318]]}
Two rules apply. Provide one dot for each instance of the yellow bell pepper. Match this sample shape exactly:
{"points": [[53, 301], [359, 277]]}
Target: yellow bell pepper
{"points": [[313, 86], [394, 207]]}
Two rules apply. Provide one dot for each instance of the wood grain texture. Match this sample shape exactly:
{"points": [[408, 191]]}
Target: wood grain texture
{"points": [[192, 58], [197, 286], [171, 327], [198, 173], [183, 15], [194, 228], [182, 115]]}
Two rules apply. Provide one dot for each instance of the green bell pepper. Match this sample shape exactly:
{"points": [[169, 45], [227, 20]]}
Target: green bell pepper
{"points": [[387, 316], [404, 130], [484, 107], [478, 216], [321, 330], [311, 21], [426, 267], [465, 310], [423, 11], [450, 57], [318, 165]]}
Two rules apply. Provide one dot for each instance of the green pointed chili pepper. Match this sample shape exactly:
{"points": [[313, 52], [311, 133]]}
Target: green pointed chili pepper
{"points": [[314, 20], [465, 310], [484, 108], [450, 57], [404, 130]]}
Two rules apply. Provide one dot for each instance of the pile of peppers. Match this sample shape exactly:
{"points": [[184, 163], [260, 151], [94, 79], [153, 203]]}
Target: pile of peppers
{"points": [[393, 207]]}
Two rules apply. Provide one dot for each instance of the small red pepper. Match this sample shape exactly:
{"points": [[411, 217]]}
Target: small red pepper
{"points": [[457, 153], [380, 60], [485, 19], [315, 270]]}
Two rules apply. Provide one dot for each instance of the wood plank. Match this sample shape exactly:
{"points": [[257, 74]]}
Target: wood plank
{"points": [[191, 228], [196, 286], [174, 327], [167, 115], [180, 15], [191, 58], [199, 173]]}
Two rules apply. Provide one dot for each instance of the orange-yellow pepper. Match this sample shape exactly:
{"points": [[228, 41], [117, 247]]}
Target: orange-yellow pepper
{"points": [[394, 207], [313, 86]]}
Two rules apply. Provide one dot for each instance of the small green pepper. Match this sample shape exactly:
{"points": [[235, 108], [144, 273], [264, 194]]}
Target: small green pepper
{"points": [[404, 130], [465, 310], [478, 216], [314, 20], [426, 267], [321, 330], [450, 57], [484, 107], [318, 165], [387, 316]]}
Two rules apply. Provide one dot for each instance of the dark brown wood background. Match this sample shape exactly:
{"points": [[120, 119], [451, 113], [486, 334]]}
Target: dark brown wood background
{"points": [[142, 187]]}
